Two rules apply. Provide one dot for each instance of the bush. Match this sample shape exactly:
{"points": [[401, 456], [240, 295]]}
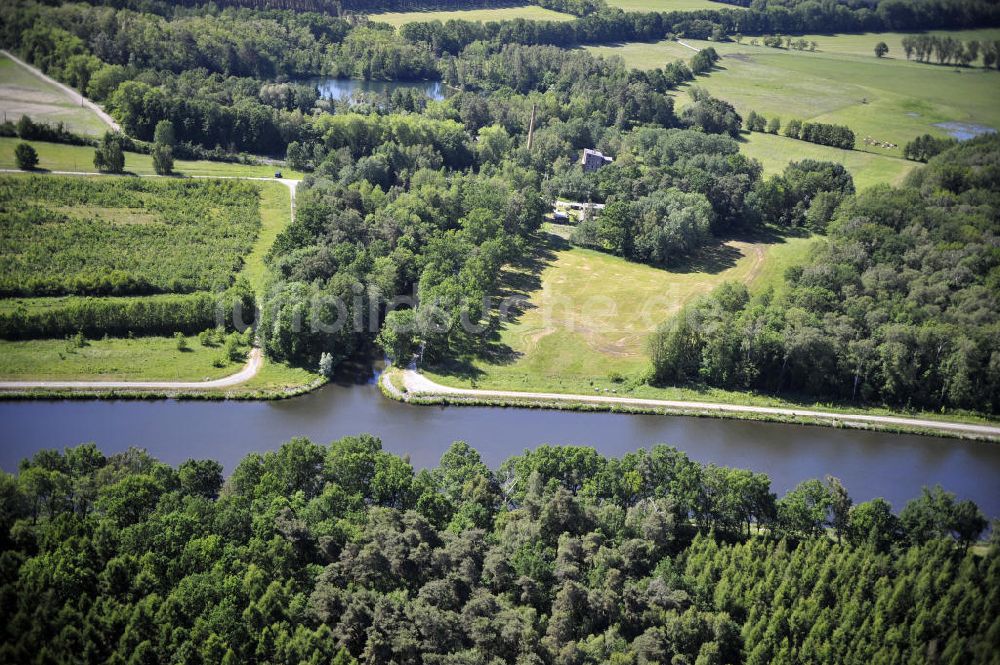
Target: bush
{"points": [[163, 159], [182, 344], [109, 157], [25, 157]]}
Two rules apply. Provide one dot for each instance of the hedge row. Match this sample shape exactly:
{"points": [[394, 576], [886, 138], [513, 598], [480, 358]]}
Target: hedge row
{"points": [[118, 317]]}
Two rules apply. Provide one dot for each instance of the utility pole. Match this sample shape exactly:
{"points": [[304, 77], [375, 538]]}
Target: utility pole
{"points": [[531, 126]]}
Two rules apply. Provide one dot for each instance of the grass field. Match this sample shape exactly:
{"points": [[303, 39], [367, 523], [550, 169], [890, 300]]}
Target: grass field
{"points": [[589, 313], [530, 12], [667, 5], [275, 215], [889, 99], [864, 44], [139, 359], [61, 157], [22, 93], [775, 152]]}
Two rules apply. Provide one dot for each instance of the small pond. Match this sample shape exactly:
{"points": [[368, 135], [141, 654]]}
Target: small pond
{"points": [[344, 89], [963, 131]]}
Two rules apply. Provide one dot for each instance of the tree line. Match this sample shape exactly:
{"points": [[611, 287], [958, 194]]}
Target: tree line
{"points": [[766, 17], [345, 553], [898, 306], [947, 50]]}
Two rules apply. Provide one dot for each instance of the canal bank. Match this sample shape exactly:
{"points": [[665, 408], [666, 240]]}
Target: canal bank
{"points": [[870, 463]]}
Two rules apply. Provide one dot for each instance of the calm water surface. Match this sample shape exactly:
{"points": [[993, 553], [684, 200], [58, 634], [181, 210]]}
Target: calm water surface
{"points": [[870, 463], [342, 89]]}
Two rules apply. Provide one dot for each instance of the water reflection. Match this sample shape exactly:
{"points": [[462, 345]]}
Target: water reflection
{"points": [[870, 463], [344, 89]]}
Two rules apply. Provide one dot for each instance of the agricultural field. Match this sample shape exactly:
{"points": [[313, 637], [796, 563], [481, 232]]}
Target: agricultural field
{"points": [[79, 158], [774, 152], [530, 12], [156, 356], [67, 234], [667, 5], [589, 313], [23, 93], [891, 100]]}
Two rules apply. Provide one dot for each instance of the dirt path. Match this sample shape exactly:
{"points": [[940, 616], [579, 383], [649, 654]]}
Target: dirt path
{"points": [[75, 96], [254, 362], [688, 46], [419, 385]]}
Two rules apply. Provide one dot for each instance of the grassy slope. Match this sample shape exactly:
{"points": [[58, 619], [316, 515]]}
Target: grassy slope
{"points": [[142, 358], [60, 157], [530, 12], [889, 99], [667, 5], [774, 153], [21, 93], [590, 313]]}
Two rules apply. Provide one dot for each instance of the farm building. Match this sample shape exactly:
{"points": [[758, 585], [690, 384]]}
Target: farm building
{"points": [[591, 160]]}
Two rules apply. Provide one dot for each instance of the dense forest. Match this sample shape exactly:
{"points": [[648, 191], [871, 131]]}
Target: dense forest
{"points": [[346, 554], [225, 73], [898, 306]]}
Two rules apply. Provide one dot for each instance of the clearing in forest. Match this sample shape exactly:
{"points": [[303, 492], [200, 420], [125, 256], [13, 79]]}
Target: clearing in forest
{"points": [[588, 314]]}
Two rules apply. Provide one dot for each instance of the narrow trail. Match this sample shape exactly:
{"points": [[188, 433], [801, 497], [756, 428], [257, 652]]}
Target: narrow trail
{"points": [[419, 385], [254, 362], [686, 45], [75, 96]]}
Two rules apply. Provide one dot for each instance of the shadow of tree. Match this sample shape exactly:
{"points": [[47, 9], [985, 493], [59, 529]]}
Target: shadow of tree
{"points": [[509, 303]]}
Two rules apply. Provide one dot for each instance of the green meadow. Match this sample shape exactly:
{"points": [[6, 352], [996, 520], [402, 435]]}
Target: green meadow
{"points": [[589, 313], [23, 93], [864, 44], [61, 157], [889, 99], [774, 152], [529, 12], [138, 359]]}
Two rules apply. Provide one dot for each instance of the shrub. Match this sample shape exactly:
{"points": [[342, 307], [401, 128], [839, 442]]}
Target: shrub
{"points": [[25, 157]]}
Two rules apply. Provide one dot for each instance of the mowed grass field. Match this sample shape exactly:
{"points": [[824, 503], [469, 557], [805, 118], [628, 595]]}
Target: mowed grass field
{"points": [[589, 313], [61, 157], [22, 93], [529, 12], [667, 5], [275, 215], [139, 359], [774, 152], [889, 99]]}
